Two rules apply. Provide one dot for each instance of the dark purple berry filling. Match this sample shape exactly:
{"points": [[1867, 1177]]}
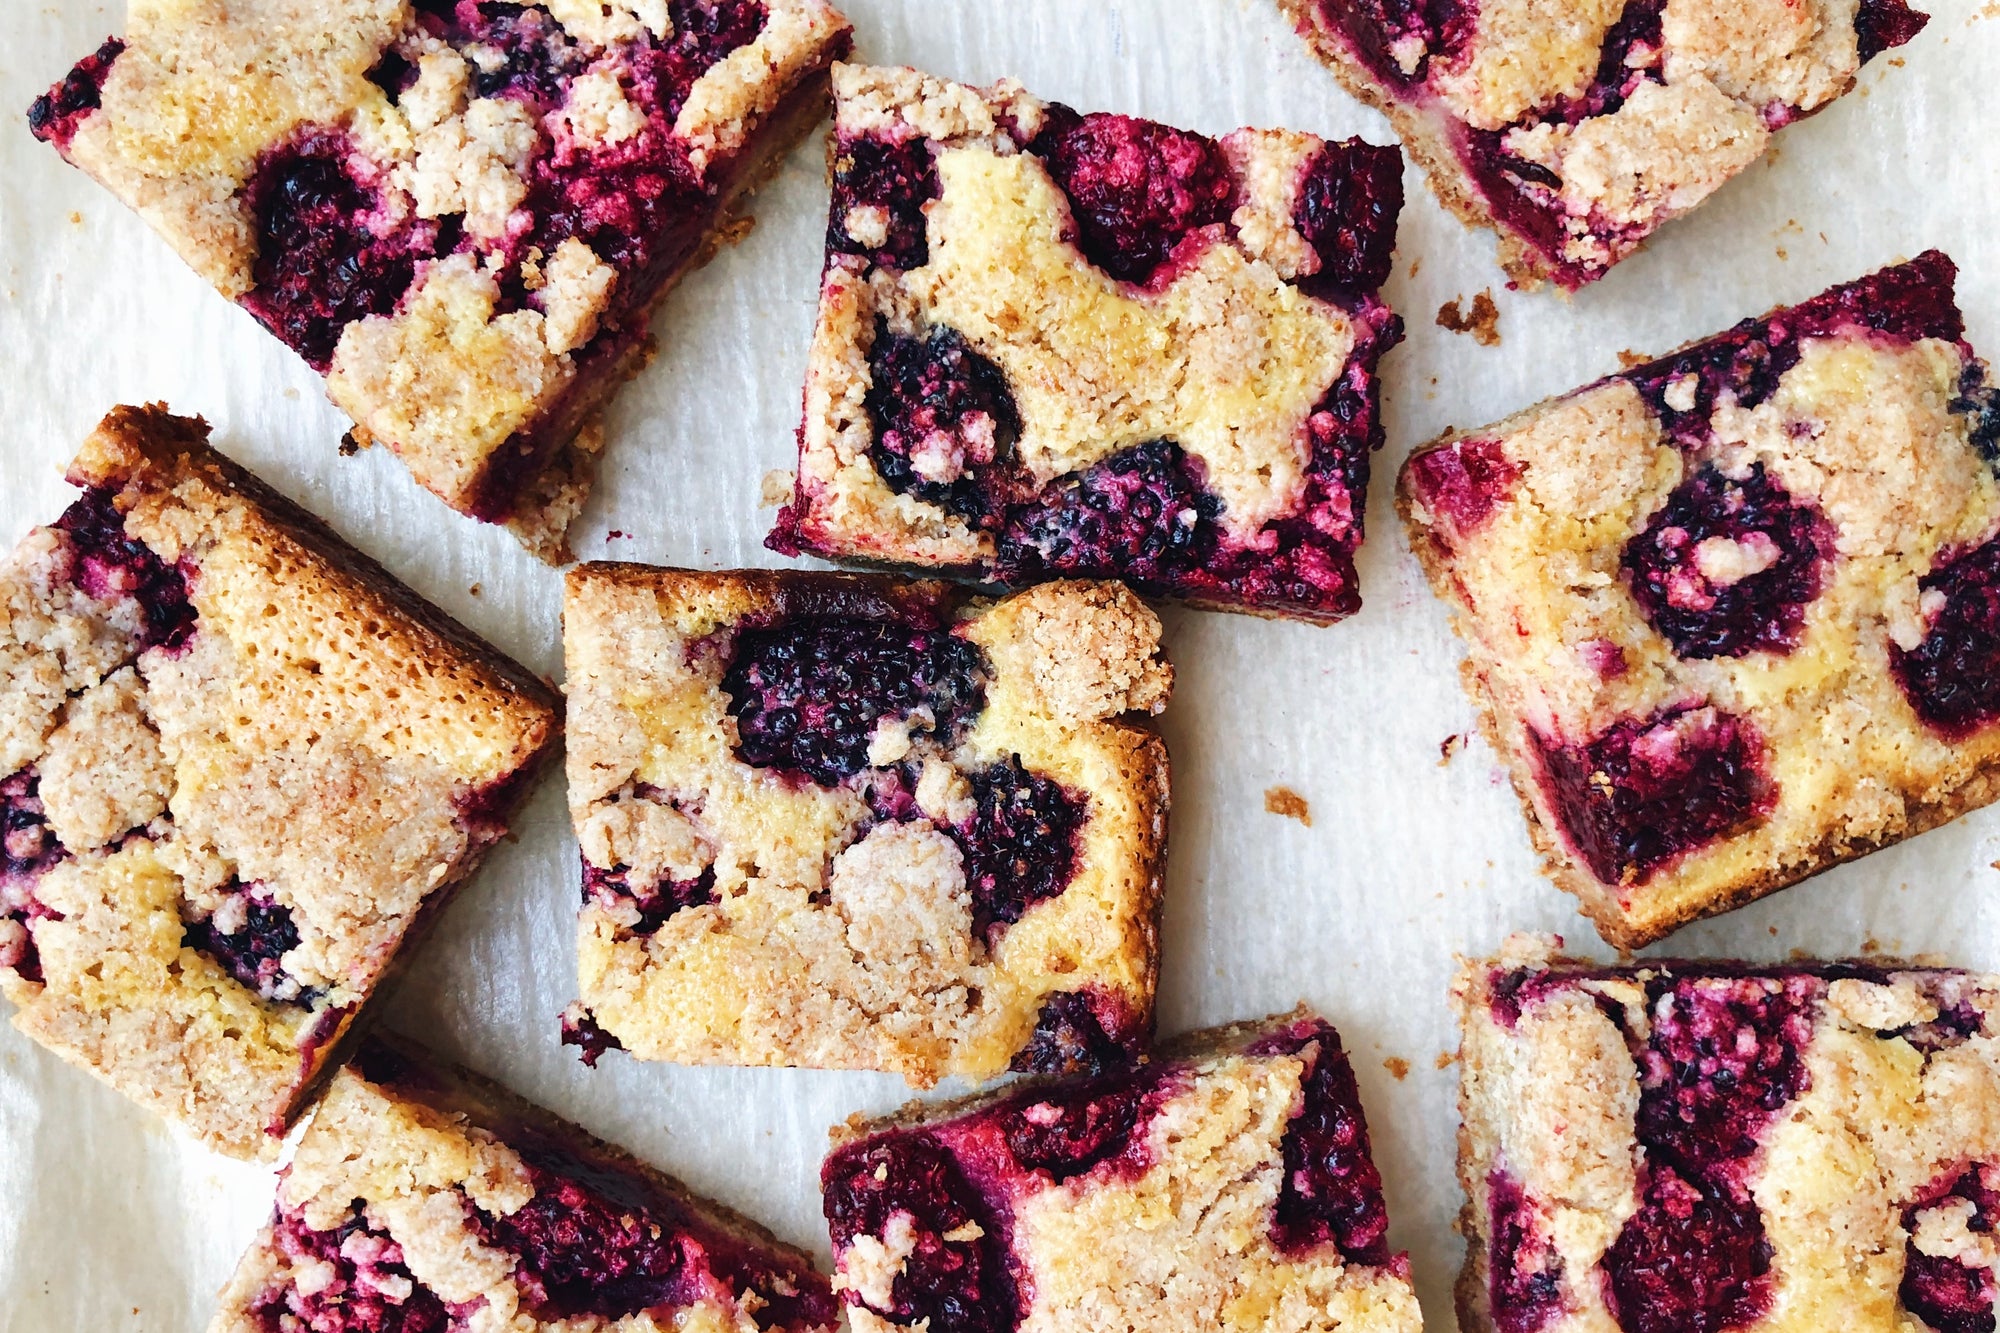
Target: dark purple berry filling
{"points": [[1760, 611], [1332, 1191], [807, 694], [1882, 25], [28, 849], [960, 1286], [1691, 1260], [1145, 515], [1071, 1131], [326, 255], [1979, 403], [899, 179], [1020, 845], [109, 565], [1643, 793], [581, 1030], [1377, 27], [1465, 483], [1525, 1268], [1949, 1296], [1952, 678], [54, 116], [361, 1284], [655, 903], [1080, 1032], [943, 416], [253, 949], [1348, 203], [1136, 188]]}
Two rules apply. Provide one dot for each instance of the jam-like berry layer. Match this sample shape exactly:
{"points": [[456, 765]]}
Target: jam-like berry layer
{"points": [[1136, 188], [581, 1029], [1952, 677], [896, 178], [360, 1284], [943, 416], [28, 849], [1332, 1192], [1464, 483], [1693, 1259], [1979, 403], [1145, 514], [326, 253], [55, 115], [1080, 1032], [110, 565], [1349, 200], [1882, 25], [807, 694], [250, 934], [1951, 1297], [1020, 845], [1077, 1128], [656, 903], [1525, 1269], [1645, 792], [1728, 566], [962, 1284]]}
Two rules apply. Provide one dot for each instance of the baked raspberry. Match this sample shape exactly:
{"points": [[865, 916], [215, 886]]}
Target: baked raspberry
{"points": [[896, 180], [1462, 482], [955, 1275], [1143, 513], [1524, 1266], [1883, 25], [1728, 566], [361, 1285], [1952, 677], [1020, 844], [1691, 1260], [1349, 200], [54, 116], [1072, 1036], [1949, 1296], [326, 253], [581, 1029], [250, 934], [1136, 188], [111, 565], [1071, 1131], [1331, 1191], [943, 416], [1643, 793], [807, 695]]}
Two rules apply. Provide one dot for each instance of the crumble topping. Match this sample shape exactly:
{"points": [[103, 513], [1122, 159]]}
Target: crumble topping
{"points": [[1092, 650], [606, 22], [103, 773], [1798, 56], [897, 103], [1272, 166], [598, 112], [472, 163], [1523, 55], [730, 100]]}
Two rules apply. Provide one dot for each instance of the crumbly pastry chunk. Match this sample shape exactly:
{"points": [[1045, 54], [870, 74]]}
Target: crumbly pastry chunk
{"points": [[858, 822], [1059, 345], [1575, 130], [1718, 1145], [243, 767], [424, 1198], [1227, 1184], [1729, 614], [460, 214]]}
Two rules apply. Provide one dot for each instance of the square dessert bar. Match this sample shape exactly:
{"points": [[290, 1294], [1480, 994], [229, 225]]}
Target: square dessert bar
{"points": [[1576, 130], [1061, 345], [858, 822], [1225, 1185], [1706, 1146], [423, 1198], [459, 213], [1730, 613], [240, 768]]}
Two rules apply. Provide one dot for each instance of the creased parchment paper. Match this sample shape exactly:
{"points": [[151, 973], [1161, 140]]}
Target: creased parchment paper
{"points": [[1415, 850]]}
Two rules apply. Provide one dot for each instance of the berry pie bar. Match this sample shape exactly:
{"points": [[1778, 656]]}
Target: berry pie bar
{"points": [[1574, 130], [1226, 1185], [857, 822], [459, 213], [1716, 1146], [244, 767], [1061, 345], [1732, 614], [422, 1198]]}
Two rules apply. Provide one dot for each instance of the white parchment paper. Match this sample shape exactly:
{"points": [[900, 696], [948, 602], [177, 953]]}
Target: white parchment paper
{"points": [[109, 1221]]}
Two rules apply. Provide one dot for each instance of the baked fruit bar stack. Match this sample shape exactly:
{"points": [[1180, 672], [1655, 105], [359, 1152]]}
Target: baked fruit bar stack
{"points": [[1703, 1145], [1731, 615], [860, 822], [1053, 344], [1226, 1185], [422, 1198], [459, 213], [1576, 130], [244, 767]]}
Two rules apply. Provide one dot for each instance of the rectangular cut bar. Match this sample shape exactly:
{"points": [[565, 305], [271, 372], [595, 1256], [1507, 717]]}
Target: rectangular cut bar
{"points": [[1729, 613], [1053, 344], [424, 1199], [1226, 1185], [460, 214], [859, 822], [1718, 1145], [1576, 130], [244, 767]]}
